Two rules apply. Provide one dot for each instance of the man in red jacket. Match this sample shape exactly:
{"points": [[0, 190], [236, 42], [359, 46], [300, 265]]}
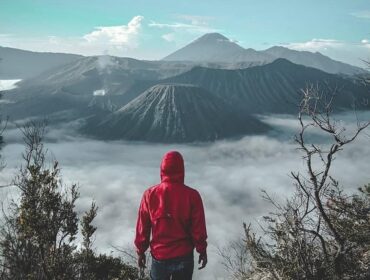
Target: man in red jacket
{"points": [[173, 213]]}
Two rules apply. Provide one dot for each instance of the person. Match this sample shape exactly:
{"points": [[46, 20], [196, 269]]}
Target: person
{"points": [[173, 214]]}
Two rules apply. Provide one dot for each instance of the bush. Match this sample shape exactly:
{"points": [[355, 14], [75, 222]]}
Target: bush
{"points": [[38, 238]]}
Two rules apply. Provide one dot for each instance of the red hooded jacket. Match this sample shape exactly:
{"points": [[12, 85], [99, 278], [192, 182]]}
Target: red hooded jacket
{"points": [[173, 213]]}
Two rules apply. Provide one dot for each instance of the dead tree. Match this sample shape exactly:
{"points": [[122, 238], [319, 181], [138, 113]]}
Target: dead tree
{"points": [[320, 232]]}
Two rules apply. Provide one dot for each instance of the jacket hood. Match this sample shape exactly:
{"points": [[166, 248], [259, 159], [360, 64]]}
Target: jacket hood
{"points": [[172, 168]]}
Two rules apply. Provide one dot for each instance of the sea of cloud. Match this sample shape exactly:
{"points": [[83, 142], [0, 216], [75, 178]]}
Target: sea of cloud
{"points": [[229, 175]]}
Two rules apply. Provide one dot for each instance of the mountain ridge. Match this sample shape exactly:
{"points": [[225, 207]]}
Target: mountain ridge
{"points": [[22, 64], [258, 89], [269, 88], [215, 47], [207, 48]]}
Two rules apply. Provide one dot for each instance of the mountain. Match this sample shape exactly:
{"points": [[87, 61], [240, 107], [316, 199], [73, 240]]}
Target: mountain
{"points": [[214, 47], [105, 74], [173, 113], [95, 84], [90, 78], [315, 60], [103, 103], [55, 106], [272, 88], [21, 64], [102, 75]]}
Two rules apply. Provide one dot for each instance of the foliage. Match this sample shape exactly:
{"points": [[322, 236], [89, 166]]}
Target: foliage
{"points": [[39, 237], [320, 232]]}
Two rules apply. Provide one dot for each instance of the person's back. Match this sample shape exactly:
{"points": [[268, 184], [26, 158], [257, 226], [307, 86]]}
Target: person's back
{"points": [[173, 213]]}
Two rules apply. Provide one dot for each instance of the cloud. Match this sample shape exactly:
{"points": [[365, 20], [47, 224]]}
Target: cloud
{"points": [[179, 26], [106, 62], [361, 14], [121, 35], [366, 43], [169, 37], [184, 28], [349, 52], [121, 40], [315, 45], [228, 174], [196, 20], [8, 85]]}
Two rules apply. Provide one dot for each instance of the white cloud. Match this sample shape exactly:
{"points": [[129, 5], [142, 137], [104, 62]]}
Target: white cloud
{"points": [[121, 35], [361, 14], [196, 20], [188, 27], [185, 28], [315, 45], [366, 43], [121, 40], [349, 52], [8, 85], [169, 37]]}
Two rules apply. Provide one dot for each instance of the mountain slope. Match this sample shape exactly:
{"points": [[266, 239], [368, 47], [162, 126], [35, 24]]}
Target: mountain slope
{"points": [[214, 47], [88, 77], [102, 75], [173, 113], [271, 88], [315, 60], [21, 64]]}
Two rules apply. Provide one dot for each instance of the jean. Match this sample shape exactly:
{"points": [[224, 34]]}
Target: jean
{"points": [[180, 268]]}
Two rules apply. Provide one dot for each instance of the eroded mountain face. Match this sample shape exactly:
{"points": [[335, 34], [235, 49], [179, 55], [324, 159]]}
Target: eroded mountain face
{"points": [[174, 113]]}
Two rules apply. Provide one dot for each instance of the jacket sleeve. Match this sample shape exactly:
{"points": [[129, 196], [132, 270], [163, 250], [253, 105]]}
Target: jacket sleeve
{"points": [[143, 227], [198, 225]]}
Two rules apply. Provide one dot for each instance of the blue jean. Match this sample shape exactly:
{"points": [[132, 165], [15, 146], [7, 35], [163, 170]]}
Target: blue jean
{"points": [[173, 269]]}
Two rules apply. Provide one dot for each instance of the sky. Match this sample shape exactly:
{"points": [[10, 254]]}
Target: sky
{"points": [[147, 29]]}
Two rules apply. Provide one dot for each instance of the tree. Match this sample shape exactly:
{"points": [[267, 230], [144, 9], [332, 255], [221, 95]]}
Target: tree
{"points": [[39, 237], [320, 232]]}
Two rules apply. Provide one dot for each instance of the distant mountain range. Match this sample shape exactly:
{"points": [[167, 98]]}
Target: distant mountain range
{"points": [[211, 50], [221, 101], [21, 64], [214, 47], [178, 101], [272, 88]]}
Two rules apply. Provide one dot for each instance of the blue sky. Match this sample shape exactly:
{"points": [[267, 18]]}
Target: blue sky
{"points": [[151, 29]]}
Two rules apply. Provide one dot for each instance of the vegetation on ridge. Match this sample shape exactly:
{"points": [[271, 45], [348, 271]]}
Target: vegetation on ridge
{"points": [[38, 239], [320, 232]]}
